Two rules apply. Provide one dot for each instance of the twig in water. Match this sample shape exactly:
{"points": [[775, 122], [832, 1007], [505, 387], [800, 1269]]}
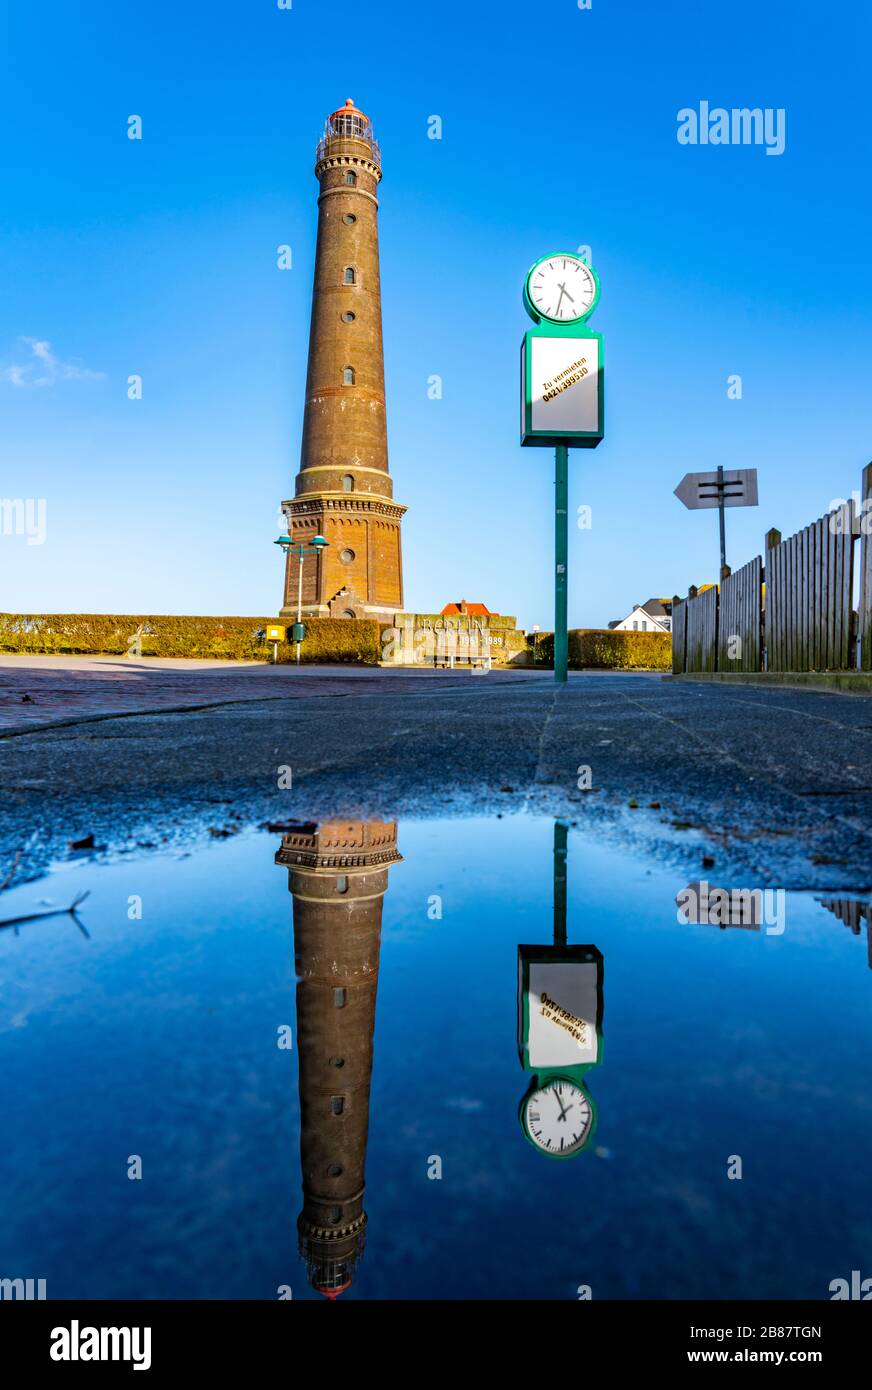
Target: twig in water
{"points": [[71, 911]]}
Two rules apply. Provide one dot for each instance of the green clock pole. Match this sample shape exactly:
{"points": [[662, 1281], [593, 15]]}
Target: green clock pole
{"points": [[561, 556], [560, 292]]}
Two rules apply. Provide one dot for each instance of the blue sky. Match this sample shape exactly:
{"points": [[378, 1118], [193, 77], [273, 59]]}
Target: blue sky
{"points": [[158, 258]]}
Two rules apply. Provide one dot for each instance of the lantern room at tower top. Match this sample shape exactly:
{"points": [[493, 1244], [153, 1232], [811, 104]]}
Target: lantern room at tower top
{"points": [[348, 123]]}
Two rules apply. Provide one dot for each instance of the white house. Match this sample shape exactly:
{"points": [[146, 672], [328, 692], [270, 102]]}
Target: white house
{"points": [[653, 616]]}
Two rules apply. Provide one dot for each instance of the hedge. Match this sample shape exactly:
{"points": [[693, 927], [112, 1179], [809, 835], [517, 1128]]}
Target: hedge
{"points": [[236, 639], [601, 649]]}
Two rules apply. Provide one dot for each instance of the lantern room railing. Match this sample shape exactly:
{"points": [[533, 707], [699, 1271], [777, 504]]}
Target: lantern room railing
{"points": [[343, 144], [343, 130]]}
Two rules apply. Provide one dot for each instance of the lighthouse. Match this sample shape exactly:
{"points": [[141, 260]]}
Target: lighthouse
{"points": [[343, 490]]}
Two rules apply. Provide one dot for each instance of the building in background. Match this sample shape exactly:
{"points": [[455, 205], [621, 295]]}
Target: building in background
{"points": [[343, 490], [475, 610], [653, 616]]}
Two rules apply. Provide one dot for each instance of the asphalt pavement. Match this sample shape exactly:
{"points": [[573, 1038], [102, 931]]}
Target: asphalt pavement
{"points": [[770, 786]]}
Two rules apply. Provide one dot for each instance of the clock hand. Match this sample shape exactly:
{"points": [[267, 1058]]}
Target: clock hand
{"points": [[564, 290], [562, 293]]}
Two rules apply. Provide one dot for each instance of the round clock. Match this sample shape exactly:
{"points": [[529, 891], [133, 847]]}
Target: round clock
{"points": [[561, 288], [557, 1117]]}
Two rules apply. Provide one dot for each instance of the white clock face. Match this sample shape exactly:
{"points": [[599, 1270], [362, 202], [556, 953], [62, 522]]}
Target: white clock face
{"points": [[562, 288], [559, 1117]]}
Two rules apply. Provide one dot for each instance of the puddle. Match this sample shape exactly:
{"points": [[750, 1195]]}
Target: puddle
{"points": [[393, 1124]]}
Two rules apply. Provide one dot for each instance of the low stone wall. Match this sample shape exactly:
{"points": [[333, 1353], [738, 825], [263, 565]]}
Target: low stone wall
{"points": [[429, 638]]}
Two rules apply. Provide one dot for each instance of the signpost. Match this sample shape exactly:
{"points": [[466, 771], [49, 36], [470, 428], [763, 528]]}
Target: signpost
{"points": [[561, 394], [733, 487]]}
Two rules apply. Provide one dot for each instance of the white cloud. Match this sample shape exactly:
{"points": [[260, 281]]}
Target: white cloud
{"points": [[44, 368]]}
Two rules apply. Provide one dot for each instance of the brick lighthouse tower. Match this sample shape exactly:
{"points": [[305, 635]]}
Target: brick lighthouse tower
{"points": [[343, 489], [338, 876]]}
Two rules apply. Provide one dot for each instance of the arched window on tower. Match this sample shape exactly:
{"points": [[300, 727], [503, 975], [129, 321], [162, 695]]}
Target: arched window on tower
{"points": [[350, 277], [348, 380], [348, 483], [351, 179]]}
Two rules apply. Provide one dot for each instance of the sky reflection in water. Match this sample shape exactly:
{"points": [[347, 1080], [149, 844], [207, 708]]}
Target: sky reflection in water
{"points": [[159, 1037]]}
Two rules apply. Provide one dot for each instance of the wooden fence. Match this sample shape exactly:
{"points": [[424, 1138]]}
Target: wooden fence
{"points": [[679, 635], [793, 614], [702, 630], [855, 914], [740, 628], [809, 596]]}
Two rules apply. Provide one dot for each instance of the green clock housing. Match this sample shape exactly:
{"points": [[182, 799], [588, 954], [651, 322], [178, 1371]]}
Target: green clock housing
{"points": [[561, 288]]}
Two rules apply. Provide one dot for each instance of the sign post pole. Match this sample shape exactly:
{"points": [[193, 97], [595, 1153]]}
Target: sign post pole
{"points": [[561, 557], [735, 487], [721, 519]]}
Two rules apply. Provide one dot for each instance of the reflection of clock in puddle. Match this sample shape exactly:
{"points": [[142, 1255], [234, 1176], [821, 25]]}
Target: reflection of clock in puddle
{"points": [[558, 1116]]}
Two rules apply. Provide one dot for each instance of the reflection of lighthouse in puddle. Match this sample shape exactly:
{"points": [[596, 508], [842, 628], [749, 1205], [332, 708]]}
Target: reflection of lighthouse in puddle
{"points": [[338, 875]]}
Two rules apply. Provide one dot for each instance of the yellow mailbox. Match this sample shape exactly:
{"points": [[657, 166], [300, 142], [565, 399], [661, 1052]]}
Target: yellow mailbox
{"points": [[276, 632]]}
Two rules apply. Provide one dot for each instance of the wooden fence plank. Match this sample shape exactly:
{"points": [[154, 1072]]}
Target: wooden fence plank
{"points": [[702, 631], [849, 650], [838, 565], [831, 595], [866, 574], [816, 596], [679, 637], [808, 625], [740, 616]]}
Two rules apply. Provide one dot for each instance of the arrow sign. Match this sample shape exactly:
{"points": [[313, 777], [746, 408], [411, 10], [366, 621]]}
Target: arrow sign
{"points": [[737, 487]]}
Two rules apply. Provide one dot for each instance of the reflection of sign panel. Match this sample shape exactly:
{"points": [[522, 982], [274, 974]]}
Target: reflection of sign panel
{"points": [[560, 993], [700, 903], [561, 388]]}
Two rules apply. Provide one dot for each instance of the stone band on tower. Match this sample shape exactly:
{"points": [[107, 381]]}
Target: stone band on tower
{"points": [[343, 489]]}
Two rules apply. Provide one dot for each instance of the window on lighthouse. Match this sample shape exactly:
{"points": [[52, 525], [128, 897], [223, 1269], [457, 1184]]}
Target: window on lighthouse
{"points": [[350, 278], [348, 483], [348, 376], [351, 179]]}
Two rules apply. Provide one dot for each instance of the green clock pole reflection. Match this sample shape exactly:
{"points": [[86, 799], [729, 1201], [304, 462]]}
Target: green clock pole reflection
{"points": [[560, 1030]]}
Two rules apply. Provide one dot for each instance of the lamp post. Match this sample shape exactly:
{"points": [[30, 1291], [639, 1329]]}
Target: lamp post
{"points": [[287, 547]]}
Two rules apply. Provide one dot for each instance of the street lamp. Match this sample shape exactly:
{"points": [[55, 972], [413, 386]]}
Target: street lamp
{"points": [[287, 547]]}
